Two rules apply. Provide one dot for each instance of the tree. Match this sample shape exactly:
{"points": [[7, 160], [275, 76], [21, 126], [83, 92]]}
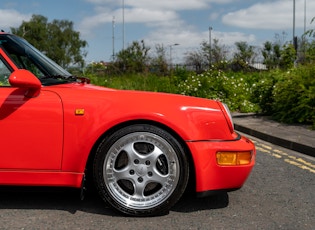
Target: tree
{"points": [[218, 52], [159, 62], [134, 58], [57, 39], [244, 52], [271, 53], [195, 59], [243, 56], [311, 32], [309, 46], [200, 58], [288, 56]]}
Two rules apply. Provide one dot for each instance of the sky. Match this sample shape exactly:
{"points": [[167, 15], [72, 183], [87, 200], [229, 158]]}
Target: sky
{"points": [[110, 25]]}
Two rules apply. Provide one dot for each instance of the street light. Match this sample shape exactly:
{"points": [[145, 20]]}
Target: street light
{"points": [[123, 22], [171, 64], [210, 54]]}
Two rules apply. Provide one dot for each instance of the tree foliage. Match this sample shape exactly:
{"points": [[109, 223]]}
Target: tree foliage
{"points": [[243, 56], [158, 61], [201, 58], [288, 56], [218, 53], [134, 58], [310, 45], [195, 59], [271, 53], [311, 32], [57, 39]]}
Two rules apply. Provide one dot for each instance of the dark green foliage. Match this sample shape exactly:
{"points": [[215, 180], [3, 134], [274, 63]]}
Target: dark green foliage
{"points": [[271, 53], [262, 92], [57, 39], [294, 96], [133, 59]]}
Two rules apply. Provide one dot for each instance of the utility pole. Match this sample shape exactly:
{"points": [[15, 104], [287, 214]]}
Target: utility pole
{"points": [[171, 61], [304, 16], [123, 22], [113, 37], [294, 37], [210, 51], [123, 34]]}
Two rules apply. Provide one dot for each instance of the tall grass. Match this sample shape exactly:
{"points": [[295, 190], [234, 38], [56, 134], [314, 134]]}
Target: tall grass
{"points": [[136, 82]]}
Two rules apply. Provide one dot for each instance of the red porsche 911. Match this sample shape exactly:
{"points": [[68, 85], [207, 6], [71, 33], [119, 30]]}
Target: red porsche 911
{"points": [[141, 148]]}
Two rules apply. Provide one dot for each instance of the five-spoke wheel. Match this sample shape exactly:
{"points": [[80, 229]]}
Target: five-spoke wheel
{"points": [[141, 170]]}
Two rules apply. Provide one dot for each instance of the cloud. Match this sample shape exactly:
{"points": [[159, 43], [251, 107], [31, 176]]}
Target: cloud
{"points": [[162, 4], [12, 18], [161, 20], [273, 15], [169, 5], [149, 12], [190, 40], [151, 18]]}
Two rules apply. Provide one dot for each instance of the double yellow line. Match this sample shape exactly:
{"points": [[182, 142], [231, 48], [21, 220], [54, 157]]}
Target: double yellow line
{"points": [[290, 159]]}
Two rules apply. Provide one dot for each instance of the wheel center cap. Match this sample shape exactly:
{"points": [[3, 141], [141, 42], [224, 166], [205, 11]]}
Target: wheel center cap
{"points": [[141, 170]]}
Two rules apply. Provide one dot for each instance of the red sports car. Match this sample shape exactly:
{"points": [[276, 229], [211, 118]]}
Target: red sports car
{"points": [[141, 148]]}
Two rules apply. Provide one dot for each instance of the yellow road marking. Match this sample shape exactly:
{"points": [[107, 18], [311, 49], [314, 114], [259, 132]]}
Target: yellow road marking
{"points": [[292, 160], [300, 165]]}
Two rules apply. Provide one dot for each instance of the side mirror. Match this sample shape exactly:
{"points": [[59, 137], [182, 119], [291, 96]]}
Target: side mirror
{"points": [[23, 78]]}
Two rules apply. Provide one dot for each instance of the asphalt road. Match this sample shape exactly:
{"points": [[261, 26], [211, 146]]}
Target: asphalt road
{"points": [[280, 194]]}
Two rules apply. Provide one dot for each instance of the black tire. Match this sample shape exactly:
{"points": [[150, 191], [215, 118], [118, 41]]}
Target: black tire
{"points": [[141, 170]]}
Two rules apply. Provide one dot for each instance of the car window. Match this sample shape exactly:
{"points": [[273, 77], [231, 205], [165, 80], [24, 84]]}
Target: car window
{"points": [[4, 74], [25, 56], [25, 63]]}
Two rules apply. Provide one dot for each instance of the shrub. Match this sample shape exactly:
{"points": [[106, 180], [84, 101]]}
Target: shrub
{"points": [[294, 96], [234, 90], [262, 92]]}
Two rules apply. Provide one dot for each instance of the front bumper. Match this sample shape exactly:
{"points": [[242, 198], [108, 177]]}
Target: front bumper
{"points": [[212, 177]]}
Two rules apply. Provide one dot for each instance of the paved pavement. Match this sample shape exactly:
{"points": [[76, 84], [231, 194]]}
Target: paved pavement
{"points": [[299, 138]]}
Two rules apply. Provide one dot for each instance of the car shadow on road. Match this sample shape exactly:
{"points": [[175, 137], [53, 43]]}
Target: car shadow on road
{"points": [[190, 203], [64, 199]]}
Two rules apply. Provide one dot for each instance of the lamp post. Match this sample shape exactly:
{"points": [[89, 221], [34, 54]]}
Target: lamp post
{"points": [[171, 63], [123, 22], [113, 37], [294, 42], [210, 54], [294, 25]]}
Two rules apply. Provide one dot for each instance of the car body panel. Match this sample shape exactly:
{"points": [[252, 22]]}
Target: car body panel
{"points": [[210, 176], [31, 136]]}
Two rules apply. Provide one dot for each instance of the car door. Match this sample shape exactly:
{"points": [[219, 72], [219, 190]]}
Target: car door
{"points": [[31, 129]]}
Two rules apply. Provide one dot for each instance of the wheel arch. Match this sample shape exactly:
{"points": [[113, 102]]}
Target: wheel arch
{"points": [[89, 165]]}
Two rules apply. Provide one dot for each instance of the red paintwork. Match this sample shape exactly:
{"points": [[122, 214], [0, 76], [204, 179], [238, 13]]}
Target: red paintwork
{"points": [[44, 142]]}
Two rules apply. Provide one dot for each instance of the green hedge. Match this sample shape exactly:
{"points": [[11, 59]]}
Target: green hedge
{"points": [[294, 96]]}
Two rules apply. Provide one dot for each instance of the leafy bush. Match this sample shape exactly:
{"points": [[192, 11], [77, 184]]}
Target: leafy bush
{"points": [[294, 96], [262, 92], [231, 88]]}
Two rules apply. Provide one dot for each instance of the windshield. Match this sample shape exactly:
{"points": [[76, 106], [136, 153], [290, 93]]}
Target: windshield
{"points": [[25, 56]]}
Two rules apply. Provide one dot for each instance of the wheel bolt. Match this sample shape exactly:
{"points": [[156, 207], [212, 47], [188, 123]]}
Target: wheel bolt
{"points": [[136, 161], [140, 179], [147, 162], [132, 172], [150, 173]]}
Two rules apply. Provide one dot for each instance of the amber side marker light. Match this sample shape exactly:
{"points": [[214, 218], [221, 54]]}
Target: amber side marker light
{"points": [[234, 158]]}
